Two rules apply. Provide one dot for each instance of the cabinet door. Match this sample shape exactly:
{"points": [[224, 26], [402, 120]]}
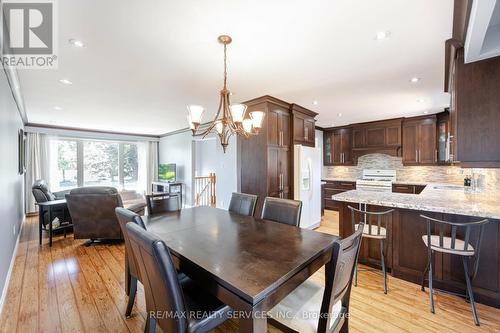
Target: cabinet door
{"points": [[358, 137], [284, 172], [284, 123], [346, 146], [410, 145], [298, 129], [427, 152], [327, 148], [337, 147], [273, 127], [375, 137], [393, 136], [309, 131], [273, 172]]}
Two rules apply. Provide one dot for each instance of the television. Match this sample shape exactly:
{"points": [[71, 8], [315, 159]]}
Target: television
{"points": [[166, 172]]}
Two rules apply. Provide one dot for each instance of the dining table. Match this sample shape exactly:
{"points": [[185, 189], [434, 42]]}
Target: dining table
{"points": [[248, 263]]}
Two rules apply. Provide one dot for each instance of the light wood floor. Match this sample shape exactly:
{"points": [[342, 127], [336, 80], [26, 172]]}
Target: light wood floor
{"points": [[73, 288]]}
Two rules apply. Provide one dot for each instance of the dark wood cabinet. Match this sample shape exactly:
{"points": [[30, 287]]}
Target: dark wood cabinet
{"points": [[443, 138], [278, 172], [332, 188], [419, 141], [337, 146], [407, 188], [279, 126], [376, 137], [303, 125]]}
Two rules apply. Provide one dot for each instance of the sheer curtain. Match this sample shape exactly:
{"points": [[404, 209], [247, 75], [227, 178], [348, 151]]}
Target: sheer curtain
{"points": [[148, 166], [37, 165]]}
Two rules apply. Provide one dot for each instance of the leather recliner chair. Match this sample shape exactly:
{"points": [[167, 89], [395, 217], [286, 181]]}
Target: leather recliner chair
{"points": [[42, 193], [93, 212]]}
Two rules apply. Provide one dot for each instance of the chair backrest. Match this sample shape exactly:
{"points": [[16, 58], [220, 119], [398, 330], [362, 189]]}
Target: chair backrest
{"points": [[125, 216], [92, 210], [163, 203], [473, 229], [243, 204], [41, 191], [372, 221], [282, 210], [339, 274], [162, 288]]}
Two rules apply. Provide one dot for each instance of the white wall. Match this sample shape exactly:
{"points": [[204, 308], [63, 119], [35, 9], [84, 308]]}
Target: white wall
{"points": [[11, 182], [178, 149], [204, 157]]}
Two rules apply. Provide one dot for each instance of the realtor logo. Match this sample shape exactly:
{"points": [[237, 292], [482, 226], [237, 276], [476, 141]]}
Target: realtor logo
{"points": [[28, 34]]}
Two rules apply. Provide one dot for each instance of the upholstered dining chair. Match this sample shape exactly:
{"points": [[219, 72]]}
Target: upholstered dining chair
{"points": [[161, 203], [165, 293], [131, 268], [282, 210], [312, 308], [243, 204]]}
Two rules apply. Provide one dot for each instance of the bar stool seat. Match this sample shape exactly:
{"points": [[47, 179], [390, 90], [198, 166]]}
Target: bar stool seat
{"points": [[447, 248], [374, 231]]}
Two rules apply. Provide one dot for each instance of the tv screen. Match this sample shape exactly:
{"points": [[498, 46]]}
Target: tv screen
{"points": [[166, 172]]}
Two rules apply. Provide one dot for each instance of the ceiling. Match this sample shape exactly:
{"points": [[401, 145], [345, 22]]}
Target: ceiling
{"points": [[144, 61]]}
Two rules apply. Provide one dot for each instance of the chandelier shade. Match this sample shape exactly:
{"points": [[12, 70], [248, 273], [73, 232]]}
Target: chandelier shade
{"points": [[230, 118]]}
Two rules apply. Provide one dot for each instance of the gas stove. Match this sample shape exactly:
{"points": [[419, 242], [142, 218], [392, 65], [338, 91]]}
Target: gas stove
{"points": [[376, 180]]}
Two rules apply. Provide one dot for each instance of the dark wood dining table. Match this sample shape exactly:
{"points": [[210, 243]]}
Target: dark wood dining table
{"points": [[248, 263]]}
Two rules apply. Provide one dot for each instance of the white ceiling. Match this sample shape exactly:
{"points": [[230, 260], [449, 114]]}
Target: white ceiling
{"points": [[144, 61]]}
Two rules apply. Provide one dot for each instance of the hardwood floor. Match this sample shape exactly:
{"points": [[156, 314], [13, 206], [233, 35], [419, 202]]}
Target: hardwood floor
{"points": [[73, 288]]}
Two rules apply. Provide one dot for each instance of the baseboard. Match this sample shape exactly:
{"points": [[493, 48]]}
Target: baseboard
{"points": [[314, 226], [11, 266]]}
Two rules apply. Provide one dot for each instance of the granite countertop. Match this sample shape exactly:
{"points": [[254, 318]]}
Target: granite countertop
{"points": [[441, 198], [398, 181]]}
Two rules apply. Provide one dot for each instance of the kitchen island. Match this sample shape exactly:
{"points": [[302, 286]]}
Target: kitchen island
{"points": [[406, 254]]}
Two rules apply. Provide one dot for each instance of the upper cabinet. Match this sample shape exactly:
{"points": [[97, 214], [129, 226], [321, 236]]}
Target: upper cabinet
{"points": [[303, 125], [337, 146], [278, 126], [419, 141], [377, 134]]}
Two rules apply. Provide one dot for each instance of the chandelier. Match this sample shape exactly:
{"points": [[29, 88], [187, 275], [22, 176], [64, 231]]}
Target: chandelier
{"points": [[230, 118]]}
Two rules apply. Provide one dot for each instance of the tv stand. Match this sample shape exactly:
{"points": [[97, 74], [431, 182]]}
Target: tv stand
{"points": [[172, 188]]}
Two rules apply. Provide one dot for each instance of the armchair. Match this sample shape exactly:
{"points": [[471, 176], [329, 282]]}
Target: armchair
{"points": [[93, 212], [42, 193]]}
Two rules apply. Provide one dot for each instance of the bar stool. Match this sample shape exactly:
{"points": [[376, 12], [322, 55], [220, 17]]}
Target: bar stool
{"points": [[454, 246], [376, 231]]}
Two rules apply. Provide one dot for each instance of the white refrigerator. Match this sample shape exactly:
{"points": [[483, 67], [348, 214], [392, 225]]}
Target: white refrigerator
{"points": [[307, 184]]}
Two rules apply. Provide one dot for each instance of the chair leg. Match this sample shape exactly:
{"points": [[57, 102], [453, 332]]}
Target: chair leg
{"points": [[356, 274], [423, 275], [150, 325], [469, 291], [382, 261], [431, 299], [131, 297]]}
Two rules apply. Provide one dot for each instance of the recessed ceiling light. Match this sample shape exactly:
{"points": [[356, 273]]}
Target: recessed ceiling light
{"points": [[339, 114], [65, 81], [420, 100], [426, 112], [58, 108], [382, 35], [76, 43], [415, 79], [315, 102]]}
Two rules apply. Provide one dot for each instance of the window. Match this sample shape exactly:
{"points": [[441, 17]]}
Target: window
{"points": [[79, 162]]}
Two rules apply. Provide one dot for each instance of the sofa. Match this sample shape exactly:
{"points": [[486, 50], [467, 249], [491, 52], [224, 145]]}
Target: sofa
{"points": [[92, 210]]}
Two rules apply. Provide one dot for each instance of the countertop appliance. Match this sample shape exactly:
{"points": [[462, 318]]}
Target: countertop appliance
{"points": [[376, 180], [307, 184]]}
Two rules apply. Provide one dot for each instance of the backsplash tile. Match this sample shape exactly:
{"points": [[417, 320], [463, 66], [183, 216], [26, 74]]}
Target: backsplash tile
{"points": [[417, 174]]}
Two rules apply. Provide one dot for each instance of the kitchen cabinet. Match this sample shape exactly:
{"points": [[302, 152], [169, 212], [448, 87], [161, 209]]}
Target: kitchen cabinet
{"points": [[376, 134], [407, 188], [332, 188], [278, 126], [277, 173], [419, 141], [337, 146], [443, 137], [303, 125]]}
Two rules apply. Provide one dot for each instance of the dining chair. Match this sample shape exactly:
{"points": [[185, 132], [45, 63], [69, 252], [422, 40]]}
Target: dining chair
{"points": [[243, 204], [375, 226], [282, 210], [163, 203], [437, 242], [314, 308], [131, 267], [175, 307]]}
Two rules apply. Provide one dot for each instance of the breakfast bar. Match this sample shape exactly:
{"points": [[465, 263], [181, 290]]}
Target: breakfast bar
{"points": [[406, 253]]}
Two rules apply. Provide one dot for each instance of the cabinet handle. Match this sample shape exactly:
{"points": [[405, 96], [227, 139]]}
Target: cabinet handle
{"points": [[419, 157], [436, 156], [306, 133], [416, 155]]}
